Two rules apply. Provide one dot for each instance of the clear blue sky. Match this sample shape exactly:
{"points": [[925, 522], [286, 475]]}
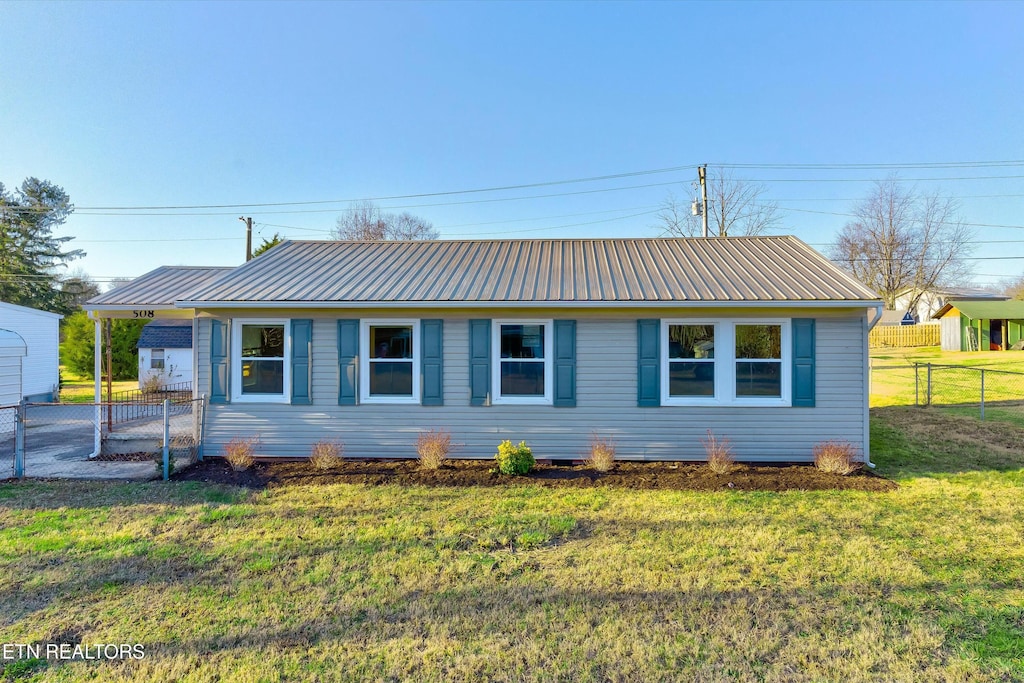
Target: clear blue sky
{"points": [[152, 104]]}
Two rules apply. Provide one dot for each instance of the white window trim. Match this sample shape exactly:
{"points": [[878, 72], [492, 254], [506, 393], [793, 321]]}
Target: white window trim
{"points": [[364, 360], [549, 347], [725, 364], [236, 362]]}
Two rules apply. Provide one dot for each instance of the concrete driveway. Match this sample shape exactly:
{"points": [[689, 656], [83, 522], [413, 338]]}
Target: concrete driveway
{"points": [[58, 442]]}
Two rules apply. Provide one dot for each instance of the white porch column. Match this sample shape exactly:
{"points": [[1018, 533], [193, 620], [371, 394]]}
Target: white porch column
{"points": [[96, 373]]}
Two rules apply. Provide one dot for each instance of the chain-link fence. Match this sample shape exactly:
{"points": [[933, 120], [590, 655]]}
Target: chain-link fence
{"points": [[976, 390], [8, 433], [82, 440]]}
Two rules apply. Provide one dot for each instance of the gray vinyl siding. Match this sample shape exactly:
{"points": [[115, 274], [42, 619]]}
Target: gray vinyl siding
{"points": [[606, 405]]}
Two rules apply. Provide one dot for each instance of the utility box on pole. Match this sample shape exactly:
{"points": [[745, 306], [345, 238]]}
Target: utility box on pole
{"points": [[702, 173]]}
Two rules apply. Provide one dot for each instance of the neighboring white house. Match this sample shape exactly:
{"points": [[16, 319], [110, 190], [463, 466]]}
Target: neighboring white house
{"points": [[165, 351], [934, 299], [40, 331]]}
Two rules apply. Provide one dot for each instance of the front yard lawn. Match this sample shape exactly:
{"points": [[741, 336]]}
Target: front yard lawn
{"points": [[355, 582]]}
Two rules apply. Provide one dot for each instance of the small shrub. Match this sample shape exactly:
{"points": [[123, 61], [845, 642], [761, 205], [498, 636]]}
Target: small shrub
{"points": [[158, 458], [432, 448], [719, 454], [836, 457], [151, 384], [238, 453], [327, 455], [514, 459], [602, 453]]}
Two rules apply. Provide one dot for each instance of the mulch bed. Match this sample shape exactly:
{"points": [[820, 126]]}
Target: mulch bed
{"points": [[630, 475], [139, 456]]}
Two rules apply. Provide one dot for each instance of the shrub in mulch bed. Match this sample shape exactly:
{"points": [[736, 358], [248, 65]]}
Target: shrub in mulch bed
{"points": [[630, 475]]}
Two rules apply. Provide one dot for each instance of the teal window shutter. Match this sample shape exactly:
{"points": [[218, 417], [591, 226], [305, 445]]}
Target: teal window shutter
{"points": [[648, 363], [220, 362], [302, 352], [348, 362], [803, 362], [565, 363], [432, 362], [479, 362]]}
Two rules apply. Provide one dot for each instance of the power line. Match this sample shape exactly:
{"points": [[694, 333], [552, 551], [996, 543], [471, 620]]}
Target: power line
{"points": [[409, 206], [613, 176], [847, 166], [852, 215], [649, 209]]}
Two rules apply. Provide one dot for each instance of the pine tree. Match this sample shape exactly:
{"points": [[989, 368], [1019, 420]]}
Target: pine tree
{"points": [[30, 255]]}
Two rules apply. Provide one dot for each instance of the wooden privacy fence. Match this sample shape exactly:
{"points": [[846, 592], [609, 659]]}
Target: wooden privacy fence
{"points": [[904, 335]]}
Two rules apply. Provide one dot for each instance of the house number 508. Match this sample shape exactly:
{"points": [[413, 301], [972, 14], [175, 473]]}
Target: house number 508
{"points": [[143, 314]]}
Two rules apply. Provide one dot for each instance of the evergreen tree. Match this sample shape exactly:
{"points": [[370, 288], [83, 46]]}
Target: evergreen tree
{"points": [[268, 244], [30, 255], [76, 352]]}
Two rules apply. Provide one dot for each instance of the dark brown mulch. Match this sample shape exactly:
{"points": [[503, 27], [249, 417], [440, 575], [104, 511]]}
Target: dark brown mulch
{"points": [[138, 456], [630, 475]]}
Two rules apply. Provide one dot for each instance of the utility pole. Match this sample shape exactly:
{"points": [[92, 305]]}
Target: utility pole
{"points": [[702, 173], [248, 236]]}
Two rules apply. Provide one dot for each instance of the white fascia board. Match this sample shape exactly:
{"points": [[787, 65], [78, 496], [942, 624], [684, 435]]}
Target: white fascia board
{"points": [[529, 304], [29, 311]]}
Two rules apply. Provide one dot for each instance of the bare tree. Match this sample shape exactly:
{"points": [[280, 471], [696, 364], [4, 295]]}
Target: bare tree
{"points": [[77, 287], [735, 208], [900, 240], [365, 221], [116, 282], [1013, 288]]}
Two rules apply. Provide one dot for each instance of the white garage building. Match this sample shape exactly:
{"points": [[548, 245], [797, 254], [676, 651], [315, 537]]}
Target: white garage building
{"points": [[40, 367]]}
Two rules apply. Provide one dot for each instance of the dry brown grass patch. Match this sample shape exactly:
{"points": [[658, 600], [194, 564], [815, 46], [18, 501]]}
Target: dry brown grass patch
{"points": [[602, 453], [327, 455], [238, 452], [433, 447], [719, 453], [836, 457]]}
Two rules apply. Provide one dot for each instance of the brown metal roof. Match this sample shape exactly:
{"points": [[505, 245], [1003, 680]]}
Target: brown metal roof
{"points": [[160, 287], [581, 271]]}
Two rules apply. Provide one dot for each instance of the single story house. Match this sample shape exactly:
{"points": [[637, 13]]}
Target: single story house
{"points": [[165, 352], [932, 300], [982, 325], [651, 342], [40, 332], [896, 318]]}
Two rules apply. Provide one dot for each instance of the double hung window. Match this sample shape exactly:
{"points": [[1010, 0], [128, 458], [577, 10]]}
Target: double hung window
{"points": [[260, 351], [390, 363], [523, 353], [725, 362]]}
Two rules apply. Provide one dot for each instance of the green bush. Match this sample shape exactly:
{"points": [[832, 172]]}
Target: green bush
{"points": [[514, 459], [79, 334]]}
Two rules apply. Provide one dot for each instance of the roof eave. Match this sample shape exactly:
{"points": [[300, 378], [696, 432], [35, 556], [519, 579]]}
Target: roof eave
{"points": [[824, 303]]}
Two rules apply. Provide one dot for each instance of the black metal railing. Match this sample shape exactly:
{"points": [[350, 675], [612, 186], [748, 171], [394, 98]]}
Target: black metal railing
{"points": [[137, 404]]}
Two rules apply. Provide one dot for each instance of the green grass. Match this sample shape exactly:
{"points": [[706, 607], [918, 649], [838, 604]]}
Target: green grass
{"points": [[955, 391], [81, 389], [527, 583]]}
